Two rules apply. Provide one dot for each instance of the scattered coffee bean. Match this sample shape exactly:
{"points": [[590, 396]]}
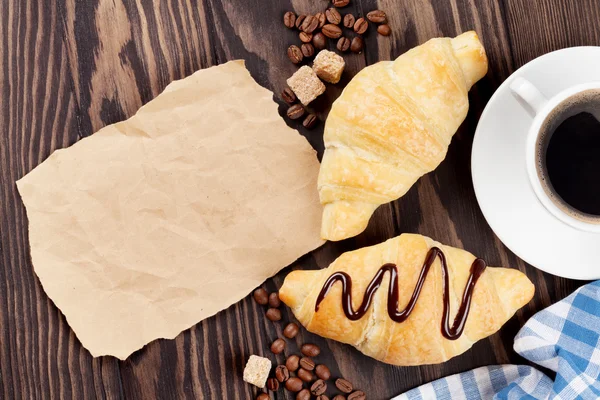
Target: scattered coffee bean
{"points": [[304, 394], [319, 41], [384, 30], [289, 97], [332, 31], [377, 16], [294, 54], [307, 363], [349, 21], [261, 296], [274, 300], [292, 363], [343, 44], [343, 385], [299, 20], [305, 375], [272, 384], [310, 121], [333, 16], [318, 388], [357, 45], [360, 26], [310, 350], [340, 3], [273, 314], [291, 330], [263, 396], [309, 24], [294, 385], [281, 373], [321, 18], [289, 19], [323, 372], [305, 37], [296, 111], [322, 397], [339, 397], [307, 50], [278, 346], [358, 395]]}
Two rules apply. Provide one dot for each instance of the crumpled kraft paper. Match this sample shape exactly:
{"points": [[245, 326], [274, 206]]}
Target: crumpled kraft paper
{"points": [[155, 223]]}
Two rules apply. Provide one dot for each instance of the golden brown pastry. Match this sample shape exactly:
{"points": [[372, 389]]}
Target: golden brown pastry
{"points": [[391, 125], [422, 337]]}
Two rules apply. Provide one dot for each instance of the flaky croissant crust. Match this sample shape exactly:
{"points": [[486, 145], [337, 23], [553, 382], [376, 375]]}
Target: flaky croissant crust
{"points": [[498, 293], [392, 124]]}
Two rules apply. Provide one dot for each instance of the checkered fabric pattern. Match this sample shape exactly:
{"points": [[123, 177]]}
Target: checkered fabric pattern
{"points": [[564, 337]]}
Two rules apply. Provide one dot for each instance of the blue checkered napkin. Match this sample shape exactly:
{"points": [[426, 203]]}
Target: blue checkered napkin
{"points": [[564, 337]]}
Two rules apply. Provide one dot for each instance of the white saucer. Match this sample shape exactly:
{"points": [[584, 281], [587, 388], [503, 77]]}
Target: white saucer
{"points": [[502, 187]]}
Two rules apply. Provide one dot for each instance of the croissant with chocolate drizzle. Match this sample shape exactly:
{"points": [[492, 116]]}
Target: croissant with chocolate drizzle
{"points": [[407, 301]]}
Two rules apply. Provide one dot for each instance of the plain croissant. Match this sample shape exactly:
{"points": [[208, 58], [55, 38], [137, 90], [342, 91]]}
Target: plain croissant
{"points": [[419, 339], [391, 125]]}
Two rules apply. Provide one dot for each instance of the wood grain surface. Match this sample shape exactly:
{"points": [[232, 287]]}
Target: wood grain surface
{"points": [[70, 67]]}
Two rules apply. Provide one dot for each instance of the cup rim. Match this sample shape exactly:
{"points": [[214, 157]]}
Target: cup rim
{"points": [[530, 157]]}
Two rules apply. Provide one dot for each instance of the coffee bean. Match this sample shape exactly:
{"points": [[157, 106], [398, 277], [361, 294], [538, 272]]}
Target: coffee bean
{"points": [[321, 18], [322, 397], [278, 346], [310, 121], [310, 350], [323, 372], [299, 20], [343, 385], [292, 363], [294, 54], [318, 388], [360, 26], [307, 363], [340, 3], [274, 300], [343, 44], [289, 97], [281, 373], [333, 16], [263, 396], [273, 314], [305, 375], [339, 397], [272, 384], [377, 16], [332, 31], [261, 296], [319, 41], [384, 30], [305, 37], [358, 395], [307, 50], [309, 24], [296, 111], [349, 21], [357, 45], [294, 384], [304, 394], [289, 19], [291, 330]]}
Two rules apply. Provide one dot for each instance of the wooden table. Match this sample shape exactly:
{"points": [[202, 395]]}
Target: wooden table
{"points": [[70, 67]]}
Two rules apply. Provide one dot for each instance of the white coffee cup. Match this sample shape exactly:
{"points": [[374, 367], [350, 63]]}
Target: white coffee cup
{"points": [[541, 107]]}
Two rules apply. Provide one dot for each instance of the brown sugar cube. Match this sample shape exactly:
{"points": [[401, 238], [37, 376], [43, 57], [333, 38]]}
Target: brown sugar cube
{"points": [[306, 85], [329, 66], [257, 370]]}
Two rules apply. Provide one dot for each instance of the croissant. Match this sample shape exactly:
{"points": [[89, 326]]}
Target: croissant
{"points": [[391, 125], [406, 319]]}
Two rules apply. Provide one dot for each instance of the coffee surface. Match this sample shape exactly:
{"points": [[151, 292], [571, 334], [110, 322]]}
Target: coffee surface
{"points": [[569, 155]]}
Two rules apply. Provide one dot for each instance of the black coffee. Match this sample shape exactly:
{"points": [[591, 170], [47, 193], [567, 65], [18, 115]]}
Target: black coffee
{"points": [[569, 155]]}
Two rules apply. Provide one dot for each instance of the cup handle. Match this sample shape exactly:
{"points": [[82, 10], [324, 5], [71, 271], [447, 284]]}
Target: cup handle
{"points": [[525, 91]]}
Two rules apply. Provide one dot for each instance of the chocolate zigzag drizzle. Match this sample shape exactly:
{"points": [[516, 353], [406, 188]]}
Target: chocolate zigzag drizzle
{"points": [[450, 332]]}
